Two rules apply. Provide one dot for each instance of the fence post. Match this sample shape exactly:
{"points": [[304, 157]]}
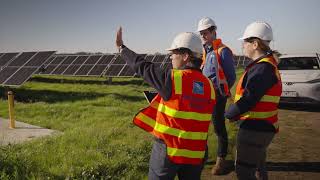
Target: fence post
{"points": [[12, 123]]}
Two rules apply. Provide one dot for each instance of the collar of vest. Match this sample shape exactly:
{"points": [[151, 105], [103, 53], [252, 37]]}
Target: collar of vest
{"points": [[268, 55], [216, 43]]}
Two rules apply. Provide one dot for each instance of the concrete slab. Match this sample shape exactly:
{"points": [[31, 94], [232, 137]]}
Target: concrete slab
{"points": [[23, 132]]}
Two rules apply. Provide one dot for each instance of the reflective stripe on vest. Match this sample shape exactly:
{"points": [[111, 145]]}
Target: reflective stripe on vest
{"points": [[184, 129], [267, 107], [221, 78]]}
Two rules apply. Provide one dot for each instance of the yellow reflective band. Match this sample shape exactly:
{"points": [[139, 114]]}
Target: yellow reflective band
{"points": [[177, 76], [181, 114], [185, 153], [253, 114], [147, 120], [267, 98], [213, 93], [237, 97], [172, 131]]}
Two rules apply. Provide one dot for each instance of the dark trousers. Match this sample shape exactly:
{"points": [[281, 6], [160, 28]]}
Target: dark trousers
{"points": [[219, 125], [251, 153], [161, 168]]}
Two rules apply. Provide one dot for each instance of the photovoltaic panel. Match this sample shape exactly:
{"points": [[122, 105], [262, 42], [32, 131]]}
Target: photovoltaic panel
{"points": [[113, 70], [71, 69], [88, 65], [53, 64], [101, 65], [83, 70], [105, 59], [22, 59], [119, 60], [6, 57], [80, 60], [48, 69], [39, 58], [159, 58], [76, 64], [149, 58], [166, 63], [127, 71], [48, 61], [69, 60], [93, 59], [22, 75], [97, 70], [58, 60], [60, 69], [22, 67], [6, 73], [64, 65]]}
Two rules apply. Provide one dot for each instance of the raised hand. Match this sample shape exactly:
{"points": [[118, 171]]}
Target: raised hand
{"points": [[119, 41]]}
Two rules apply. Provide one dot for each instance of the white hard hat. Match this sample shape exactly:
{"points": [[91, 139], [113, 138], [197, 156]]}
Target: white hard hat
{"points": [[206, 23], [258, 29], [187, 40]]}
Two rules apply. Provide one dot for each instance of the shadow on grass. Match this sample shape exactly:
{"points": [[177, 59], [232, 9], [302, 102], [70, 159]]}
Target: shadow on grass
{"points": [[88, 81], [300, 107], [294, 166], [50, 96]]}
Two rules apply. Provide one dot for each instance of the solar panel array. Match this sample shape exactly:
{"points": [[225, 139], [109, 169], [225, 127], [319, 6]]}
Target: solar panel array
{"points": [[17, 68], [111, 65]]}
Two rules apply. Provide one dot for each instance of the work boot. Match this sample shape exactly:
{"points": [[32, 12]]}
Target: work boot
{"points": [[220, 167]]}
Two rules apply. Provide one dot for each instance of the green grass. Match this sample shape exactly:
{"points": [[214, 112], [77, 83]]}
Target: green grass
{"points": [[98, 139]]}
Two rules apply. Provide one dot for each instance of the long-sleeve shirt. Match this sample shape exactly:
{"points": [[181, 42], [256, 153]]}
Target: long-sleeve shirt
{"points": [[156, 77], [227, 64], [256, 82]]}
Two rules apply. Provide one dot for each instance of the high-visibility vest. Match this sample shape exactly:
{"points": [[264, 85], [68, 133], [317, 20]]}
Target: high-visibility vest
{"points": [[218, 46], [267, 108], [182, 122]]}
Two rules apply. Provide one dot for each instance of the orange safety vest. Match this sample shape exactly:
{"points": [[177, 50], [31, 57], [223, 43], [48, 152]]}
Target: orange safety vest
{"points": [[182, 122], [221, 78], [267, 108]]}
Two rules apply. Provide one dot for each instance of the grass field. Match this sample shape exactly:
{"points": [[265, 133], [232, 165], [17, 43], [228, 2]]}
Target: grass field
{"points": [[98, 139]]}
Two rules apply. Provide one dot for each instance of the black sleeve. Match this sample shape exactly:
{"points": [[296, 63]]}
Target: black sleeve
{"points": [[158, 78], [257, 81]]}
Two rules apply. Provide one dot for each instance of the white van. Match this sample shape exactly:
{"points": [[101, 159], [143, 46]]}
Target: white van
{"points": [[300, 76]]}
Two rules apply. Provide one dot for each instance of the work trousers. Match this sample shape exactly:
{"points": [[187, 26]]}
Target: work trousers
{"points": [[161, 168], [251, 153], [219, 125]]}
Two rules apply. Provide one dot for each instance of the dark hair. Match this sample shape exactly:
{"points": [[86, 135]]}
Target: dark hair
{"points": [[264, 47], [195, 61], [212, 28]]}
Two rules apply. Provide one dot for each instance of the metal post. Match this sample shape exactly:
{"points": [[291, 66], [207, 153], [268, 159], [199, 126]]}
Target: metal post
{"points": [[12, 124]]}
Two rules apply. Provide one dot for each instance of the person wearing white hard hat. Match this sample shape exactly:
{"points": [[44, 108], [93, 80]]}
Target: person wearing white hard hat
{"points": [[256, 102], [218, 65], [179, 115]]}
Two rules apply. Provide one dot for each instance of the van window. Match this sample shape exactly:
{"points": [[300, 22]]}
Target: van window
{"points": [[298, 63]]}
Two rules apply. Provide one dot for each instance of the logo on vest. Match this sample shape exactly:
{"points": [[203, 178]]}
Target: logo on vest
{"points": [[198, 88]]}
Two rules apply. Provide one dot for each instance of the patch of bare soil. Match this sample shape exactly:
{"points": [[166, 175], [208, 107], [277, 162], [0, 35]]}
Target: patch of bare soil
{"points": [[295, 151]]}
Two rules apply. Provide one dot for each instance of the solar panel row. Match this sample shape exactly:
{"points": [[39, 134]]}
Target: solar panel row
{"points": [[16, 69]]}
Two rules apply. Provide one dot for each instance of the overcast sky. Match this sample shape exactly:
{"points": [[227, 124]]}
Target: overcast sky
{"points": [[150, 25]]}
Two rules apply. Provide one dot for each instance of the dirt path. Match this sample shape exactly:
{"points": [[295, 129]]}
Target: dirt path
{"points": [[295, 151]]}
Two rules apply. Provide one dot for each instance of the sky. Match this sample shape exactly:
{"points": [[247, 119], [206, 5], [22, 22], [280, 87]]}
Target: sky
{"points": [[149, 26]]}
